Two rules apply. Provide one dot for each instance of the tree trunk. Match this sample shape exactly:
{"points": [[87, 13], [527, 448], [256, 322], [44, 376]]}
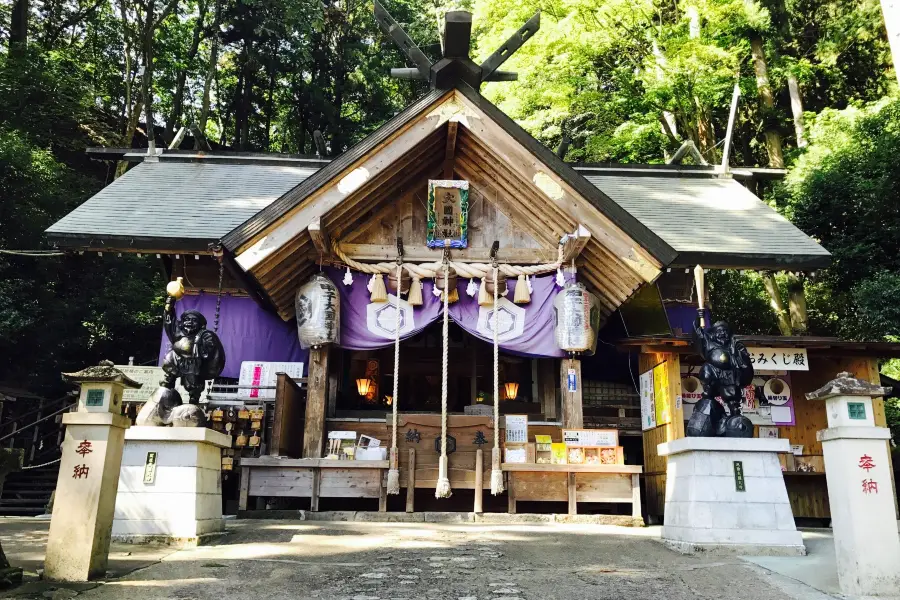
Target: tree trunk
{"points": [[18, 30], [797, 305], [797, 109], [891, 10], [130, 128], [211, 70], [773, 138], [784, 321], [178, 98], [147, 78]]}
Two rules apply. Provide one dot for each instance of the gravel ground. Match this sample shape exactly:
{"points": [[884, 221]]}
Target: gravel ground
{"points": [[472, 561]]}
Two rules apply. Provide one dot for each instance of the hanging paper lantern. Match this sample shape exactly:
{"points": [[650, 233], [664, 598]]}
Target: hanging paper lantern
{"points": [[318, 308], [577, 319]]}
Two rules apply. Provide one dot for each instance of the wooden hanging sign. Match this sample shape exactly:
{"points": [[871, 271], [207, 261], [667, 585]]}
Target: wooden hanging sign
{"points": [[448, 213]]}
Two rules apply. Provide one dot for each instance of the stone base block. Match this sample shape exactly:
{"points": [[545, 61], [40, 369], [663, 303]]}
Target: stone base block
{"points": [[182, 504], [734, 549], [727, 496]]}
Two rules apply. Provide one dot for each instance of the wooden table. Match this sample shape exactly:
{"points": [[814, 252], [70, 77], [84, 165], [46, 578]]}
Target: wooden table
{"points": [[313, 478], [574, 483]]}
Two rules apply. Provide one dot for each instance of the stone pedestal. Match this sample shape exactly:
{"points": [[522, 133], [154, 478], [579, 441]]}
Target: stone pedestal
{"points": [[860, 489], [78, 544], [181, 503], [727, 495]]}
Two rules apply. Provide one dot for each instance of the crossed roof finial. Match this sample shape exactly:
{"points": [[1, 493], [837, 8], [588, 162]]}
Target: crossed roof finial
{"points": [[455, 65]]}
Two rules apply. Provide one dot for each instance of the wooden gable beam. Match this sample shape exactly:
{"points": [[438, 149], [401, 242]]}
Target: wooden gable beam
{"points": [[576, 243], [349, 181], [450, 151], [319, 237], [555, 190]]}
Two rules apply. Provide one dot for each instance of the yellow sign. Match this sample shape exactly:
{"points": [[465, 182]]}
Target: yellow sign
{"points": [[661, 394]]}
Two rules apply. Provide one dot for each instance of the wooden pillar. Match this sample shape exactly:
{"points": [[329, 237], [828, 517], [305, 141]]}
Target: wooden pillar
{"points": [[511, 492], [382, 496], [547, 388], [572, 414], [636, 496], [479, 480], [411, 481], [573, 494], [245, 488], [316, 403], [316, 486]]}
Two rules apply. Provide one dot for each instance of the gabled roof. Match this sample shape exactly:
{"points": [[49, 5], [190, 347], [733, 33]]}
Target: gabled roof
{"points": [[715, 222], [172, 204], [631, 226]]}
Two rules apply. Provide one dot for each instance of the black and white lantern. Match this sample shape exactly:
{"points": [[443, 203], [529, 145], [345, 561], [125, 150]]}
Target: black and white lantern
{"points": [[318, 308]]}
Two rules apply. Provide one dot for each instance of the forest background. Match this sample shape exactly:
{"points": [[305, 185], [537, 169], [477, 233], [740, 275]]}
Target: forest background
{"points": [[618, 80]]}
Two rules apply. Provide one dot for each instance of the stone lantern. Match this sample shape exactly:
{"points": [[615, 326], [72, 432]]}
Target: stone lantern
{"points": [[860, 489], [78, 545]]}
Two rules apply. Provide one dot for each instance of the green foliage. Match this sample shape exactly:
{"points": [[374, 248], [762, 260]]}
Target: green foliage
{"points": [[844, 191], [741, 299]]}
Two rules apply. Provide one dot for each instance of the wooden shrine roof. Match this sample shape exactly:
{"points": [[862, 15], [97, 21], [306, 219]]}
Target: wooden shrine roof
{"points": [[713, 222], [641, 218], [177, 205]]}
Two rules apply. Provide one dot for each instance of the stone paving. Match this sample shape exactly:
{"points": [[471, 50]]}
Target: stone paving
{"points": [[434, 561]]}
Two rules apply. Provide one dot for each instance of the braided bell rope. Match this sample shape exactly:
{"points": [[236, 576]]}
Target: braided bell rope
{"points": [[465, 270], [393, 486]]}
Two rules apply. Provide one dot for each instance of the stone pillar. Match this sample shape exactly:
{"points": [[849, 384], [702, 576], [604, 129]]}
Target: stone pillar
{"points": [[170, 486], [860, 492], [727, 496], [78, 545]]}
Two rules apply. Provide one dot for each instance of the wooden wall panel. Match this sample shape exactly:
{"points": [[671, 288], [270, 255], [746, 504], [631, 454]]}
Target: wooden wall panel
{"points": [[655, 465], [548, 487]]}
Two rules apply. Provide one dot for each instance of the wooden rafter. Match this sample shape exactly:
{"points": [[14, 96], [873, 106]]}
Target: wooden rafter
{"points": [[319, 237], [450, 150]]}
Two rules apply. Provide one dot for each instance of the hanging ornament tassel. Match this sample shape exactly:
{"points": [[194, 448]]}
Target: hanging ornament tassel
{"points": [[454, 296], [496, 471], [348, 277], [379, 292], [443, 484], [484, 298], [415, 292], [472, 288], [393, 479], [523, 295]]}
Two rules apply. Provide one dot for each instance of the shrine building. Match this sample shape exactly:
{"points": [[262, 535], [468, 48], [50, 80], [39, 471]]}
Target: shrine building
{"points": [[541, 330]]}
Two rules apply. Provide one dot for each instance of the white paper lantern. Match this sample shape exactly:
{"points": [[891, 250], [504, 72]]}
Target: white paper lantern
{"points": [[577, 319], [318, 308]]}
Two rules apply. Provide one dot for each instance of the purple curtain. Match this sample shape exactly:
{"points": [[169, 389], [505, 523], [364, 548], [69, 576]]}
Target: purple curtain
{"points": [[527, 328], [248, 332]]}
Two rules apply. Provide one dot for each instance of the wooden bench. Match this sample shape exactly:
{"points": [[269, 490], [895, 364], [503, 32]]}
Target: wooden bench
{"points": [[313, 478], [574, 483]]}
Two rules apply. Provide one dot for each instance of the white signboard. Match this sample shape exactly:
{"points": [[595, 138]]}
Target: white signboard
{"points": [[516, 429], [581, 438], [150, 377], [648, 406], [779, 359], [264, 374]]}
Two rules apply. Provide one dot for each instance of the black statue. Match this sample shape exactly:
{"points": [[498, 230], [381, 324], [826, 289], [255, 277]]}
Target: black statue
{"points": [[196, 355], [726, 371]]}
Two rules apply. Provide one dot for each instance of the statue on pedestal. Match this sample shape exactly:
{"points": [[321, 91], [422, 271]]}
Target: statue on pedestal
{"points": [[197, 355], [726, 371]]}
